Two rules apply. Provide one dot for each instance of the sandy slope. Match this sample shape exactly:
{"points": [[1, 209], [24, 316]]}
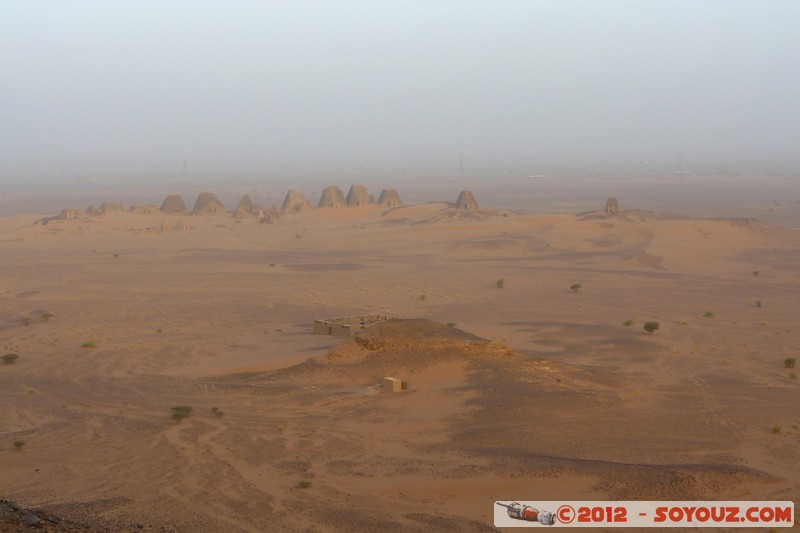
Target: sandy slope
{"points": [[209, 312]]}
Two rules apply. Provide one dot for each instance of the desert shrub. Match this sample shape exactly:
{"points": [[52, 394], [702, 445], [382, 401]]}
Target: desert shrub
{"points": [[708, 314], [789, 362], [451, 324], [758, 303], [422, 297], [159, 330], [272, 265], [47, 316], [180, 412], [217, 411], [304, 484], [755, 273], [10, 358], [628, 323], [500, 283], [650, 327], [792, 375], [18, 444], [89, 344], [775, 429], [26, 321], [575, 287]]}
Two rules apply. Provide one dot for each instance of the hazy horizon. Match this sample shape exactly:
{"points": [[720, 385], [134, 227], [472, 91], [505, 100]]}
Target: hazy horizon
{"points": [[134, 89]]}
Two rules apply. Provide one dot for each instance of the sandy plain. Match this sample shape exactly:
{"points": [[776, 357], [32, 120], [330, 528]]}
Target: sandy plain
{"points": [[538, 392]]}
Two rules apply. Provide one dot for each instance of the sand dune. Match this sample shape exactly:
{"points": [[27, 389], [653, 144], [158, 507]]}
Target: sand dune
{"points": [[533, 390]]}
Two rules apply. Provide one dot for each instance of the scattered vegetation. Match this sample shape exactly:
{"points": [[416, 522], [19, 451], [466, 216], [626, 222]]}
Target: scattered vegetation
{"points": [[18, 444], [10, 358], [575, 287], [789, 362], [159, 330], [217, 411], [792, 375], [628, 323], [708, 314], [758, 303], [650, 327], [775, 429], [47, 316], [755, 273], [116, 255], [89, 344], [422, 297], [272, 265], [304, 484], [180, 412], [26, 321], [451, 324], [500, 283]]}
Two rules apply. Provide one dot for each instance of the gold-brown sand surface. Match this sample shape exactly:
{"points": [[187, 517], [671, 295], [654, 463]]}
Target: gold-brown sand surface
{"points": [[532, 391]]}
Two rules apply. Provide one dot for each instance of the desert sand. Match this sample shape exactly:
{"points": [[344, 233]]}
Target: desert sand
{"points": [[523, 389]]}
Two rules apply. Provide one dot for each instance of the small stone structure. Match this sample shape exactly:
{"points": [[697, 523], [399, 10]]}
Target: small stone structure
{"points": [[612, 206], [144, 209], [108, 207], [173, 204], [346, 326], [247, 208], [391, 384], [389, 198], [92, 211], [466, 201], [295, 202], [207, 204], [332, 197], [358, 196]]}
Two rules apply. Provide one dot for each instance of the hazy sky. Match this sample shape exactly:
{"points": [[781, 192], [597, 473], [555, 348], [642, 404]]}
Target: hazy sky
{"points": [[140, 84]]}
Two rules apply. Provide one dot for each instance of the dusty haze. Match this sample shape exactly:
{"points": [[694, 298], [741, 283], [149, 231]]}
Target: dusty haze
{"points": [[98, 89]]}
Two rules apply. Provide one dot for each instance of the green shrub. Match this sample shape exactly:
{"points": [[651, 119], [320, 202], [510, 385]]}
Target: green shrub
{"points": [[758, 303], [500, 283], [89, 344], [18, 444], [628, 323], [180, 412], [422, 298], [650, 327], [775, 429], [575, 287], [10, 358], [708, 314]]}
